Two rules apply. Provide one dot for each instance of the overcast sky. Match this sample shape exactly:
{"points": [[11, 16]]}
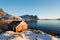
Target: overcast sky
{"points": [[44, 9]]}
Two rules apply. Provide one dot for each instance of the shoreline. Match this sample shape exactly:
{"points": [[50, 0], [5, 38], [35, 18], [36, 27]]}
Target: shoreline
{"points": [[35, 31]]}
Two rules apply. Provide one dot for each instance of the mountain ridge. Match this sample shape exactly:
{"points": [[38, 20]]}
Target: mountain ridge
{"points": [[6, 18]]}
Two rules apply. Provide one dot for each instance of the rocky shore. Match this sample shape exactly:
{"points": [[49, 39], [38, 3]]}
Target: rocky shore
{"points": [[27, 35]]}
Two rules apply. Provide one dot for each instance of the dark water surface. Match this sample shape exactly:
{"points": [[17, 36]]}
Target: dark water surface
{"points": [[49, 26]]}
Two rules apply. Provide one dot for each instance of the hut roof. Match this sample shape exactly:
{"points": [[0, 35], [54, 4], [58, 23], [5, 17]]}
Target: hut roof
{"points": [[13, 24]]}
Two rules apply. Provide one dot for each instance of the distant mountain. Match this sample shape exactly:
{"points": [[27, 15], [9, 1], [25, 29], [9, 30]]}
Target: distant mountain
{"points": [[29, 17], [57, 19]]}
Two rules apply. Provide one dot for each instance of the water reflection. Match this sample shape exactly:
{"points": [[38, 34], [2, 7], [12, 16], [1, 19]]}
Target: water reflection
{"points": [[49, 26]]}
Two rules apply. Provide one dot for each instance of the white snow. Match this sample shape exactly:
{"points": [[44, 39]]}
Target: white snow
{"points": [[26, 35]]}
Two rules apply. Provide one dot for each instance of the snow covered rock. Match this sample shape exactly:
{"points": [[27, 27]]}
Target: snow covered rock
{"points": [[25, 35]]}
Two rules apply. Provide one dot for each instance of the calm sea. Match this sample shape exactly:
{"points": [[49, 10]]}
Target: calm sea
{"points": [[49, 26]]}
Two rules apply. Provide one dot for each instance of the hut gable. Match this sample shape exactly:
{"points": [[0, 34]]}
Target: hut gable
{"points": [[17, 26], [22, 26]]}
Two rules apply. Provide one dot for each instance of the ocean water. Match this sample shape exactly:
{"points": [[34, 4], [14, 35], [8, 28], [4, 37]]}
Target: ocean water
{"points": [[49, 26]]}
